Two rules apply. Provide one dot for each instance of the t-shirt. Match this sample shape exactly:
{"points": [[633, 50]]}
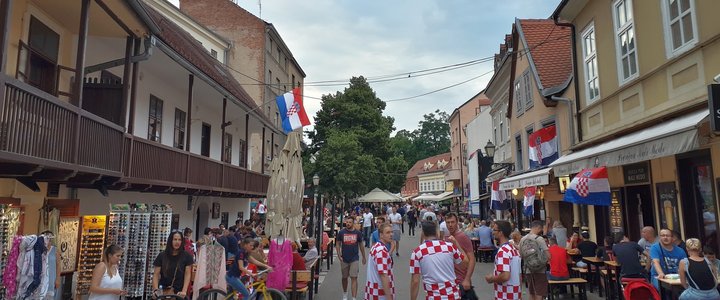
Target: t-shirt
{"points": [[240, 256], [645, 244], [261, 208], [484, 233], [367, 219], [435, 260], [396, 217], [627, 254], [375, 238], [444, 229], [411, 215], [350, 241], [466, 245], [669, 260], [558, 261], [380, 262], [541, 244], [560, 234], [508, 260], [232, 246], [587, 248], [173, 267]]}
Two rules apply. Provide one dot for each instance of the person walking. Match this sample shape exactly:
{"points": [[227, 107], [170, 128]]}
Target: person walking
{"points": [[697, 274], [261, 210], [506, 277], [433, 261], [106, 282], [402, 211], [412, 220], [463, 273], [380, 283], [348, 245], [534, 251], [172, 268], [396, 221], [367, 226], [665, 257]]}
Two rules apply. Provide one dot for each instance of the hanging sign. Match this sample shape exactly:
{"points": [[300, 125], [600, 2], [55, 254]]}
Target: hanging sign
{"points": [[636, 173]]}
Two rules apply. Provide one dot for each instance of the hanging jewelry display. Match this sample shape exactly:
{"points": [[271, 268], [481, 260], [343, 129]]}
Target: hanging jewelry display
{"points": [[160, 219], [91, 248]]}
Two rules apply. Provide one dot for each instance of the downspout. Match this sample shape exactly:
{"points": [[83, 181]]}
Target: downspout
{"points": [[570, 116], [573, 48], [149, 44]]}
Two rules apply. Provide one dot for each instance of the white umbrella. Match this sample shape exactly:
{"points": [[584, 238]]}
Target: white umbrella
{"points": [[285, 191]]}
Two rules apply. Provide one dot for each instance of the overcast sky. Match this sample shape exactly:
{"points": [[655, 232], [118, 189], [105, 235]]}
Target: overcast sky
{"points": [[338, 39]]}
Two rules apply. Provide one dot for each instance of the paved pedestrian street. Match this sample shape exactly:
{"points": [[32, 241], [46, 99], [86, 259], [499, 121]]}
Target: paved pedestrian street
{"points": [[331, 284]]}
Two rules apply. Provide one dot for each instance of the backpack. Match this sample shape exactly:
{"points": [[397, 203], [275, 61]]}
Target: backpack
{"points": [[533, 258]]}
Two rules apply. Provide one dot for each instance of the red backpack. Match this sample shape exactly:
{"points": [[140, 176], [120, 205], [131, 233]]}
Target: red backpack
{"points": [[641, 290]]}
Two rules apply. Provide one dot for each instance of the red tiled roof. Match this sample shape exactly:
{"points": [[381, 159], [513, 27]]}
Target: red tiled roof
{"points": [[418, 167], [190, 49], [550, 50]]}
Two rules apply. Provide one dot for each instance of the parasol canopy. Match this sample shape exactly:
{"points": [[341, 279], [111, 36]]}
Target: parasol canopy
{"points": [[285, 191], [378, 195]]}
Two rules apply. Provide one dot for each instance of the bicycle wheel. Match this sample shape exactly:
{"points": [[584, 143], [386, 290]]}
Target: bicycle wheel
{"points": [[212, 294], [274, 295]]}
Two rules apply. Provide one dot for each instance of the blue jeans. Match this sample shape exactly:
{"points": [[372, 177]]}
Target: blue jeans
{"points": [[237, 285], [367, 231], [550, 277], [691, 293]]}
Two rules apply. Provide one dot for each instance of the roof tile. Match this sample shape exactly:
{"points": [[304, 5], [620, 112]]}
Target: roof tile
{"points": [[550, 50]]}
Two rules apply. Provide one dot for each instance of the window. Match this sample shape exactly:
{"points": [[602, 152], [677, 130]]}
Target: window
{"points": [[518, 153], [269, 79], [279, 54], [205, 140], [213, 53], [680, 25], [155, 119], [41, 66], [519, 101], [625, 40], [242, 156], [495, 130], [592, 82], [179, 138], [433, 186], [527, 90], [503, 131], [529, 131], [293, 81], [227, 148]]}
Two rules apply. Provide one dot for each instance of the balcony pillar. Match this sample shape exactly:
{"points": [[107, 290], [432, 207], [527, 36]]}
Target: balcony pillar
{"points": [[262, 153], [133, 87], [80, 72], [5, 9], [247, 142], [126, 79], [191, 80]]}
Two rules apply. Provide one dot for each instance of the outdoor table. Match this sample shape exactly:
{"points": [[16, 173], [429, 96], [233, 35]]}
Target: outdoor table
{"points": [[671, 286], [476, 248], [597, 262], [615, 266]]}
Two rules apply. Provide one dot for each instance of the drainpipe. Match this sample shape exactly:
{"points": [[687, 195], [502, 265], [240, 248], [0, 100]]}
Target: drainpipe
{"points": [[149, 44], [570, 117], [573, 48]]}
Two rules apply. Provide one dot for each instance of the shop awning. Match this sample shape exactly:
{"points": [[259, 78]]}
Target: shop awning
{"points": [[435, 198], [538, 177], [496, 175], [668, 138]]}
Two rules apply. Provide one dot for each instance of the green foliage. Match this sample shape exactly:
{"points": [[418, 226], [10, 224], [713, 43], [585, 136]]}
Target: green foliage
{"points": [[431, 138]]}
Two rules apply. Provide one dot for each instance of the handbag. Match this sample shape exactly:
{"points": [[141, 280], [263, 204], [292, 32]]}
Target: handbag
{"points": [[171, 290], [468, 294]]}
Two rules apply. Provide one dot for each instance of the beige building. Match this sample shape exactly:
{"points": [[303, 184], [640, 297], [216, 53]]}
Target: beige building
{"points": [[259, 60], [643, 73], [457, 175]]}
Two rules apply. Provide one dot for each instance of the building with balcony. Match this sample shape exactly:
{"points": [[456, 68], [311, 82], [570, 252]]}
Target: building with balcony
{"points": [[259, 60], [112, 102], [643, 71]]}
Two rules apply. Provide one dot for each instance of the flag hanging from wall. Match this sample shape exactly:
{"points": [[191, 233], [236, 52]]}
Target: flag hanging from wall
{"points": [[543, 147], [590, 186], [529, 201], [292, 111], [497, 197]]}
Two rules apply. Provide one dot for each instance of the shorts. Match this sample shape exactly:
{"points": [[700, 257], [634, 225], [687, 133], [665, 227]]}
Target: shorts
{"points": [[350, 269], [396, 235], [537, 284]]}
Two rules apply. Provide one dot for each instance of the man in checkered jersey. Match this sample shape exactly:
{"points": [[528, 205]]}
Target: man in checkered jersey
{"points": [[380, 281], [506, 276], [435, 260]]}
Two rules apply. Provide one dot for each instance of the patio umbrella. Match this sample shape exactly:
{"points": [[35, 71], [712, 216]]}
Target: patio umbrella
{"points": [[285, 191]]}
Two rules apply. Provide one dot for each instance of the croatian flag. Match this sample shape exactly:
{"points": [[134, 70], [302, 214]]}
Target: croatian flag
{"points": [[590, 186], [497, 197], [543, 147], [529, 200], [292, 110]]}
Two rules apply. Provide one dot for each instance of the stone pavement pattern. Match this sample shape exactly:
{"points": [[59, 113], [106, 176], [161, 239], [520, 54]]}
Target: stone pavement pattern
{"points": [[331, 284]]}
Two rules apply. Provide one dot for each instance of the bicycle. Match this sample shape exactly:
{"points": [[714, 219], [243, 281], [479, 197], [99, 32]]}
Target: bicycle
{"points": [[258, 291]]}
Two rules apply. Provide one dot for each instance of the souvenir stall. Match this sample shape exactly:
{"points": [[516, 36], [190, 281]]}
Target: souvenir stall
{"points": [[91, 248], [160, 219], [129, 228], [10, 225], [30, 268]]}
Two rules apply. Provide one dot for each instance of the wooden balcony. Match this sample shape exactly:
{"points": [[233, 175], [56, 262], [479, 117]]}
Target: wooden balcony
{"points": [[45, 139]]}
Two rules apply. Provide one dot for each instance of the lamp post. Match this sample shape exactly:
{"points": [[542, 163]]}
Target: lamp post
{"points": [[318, 211], [311, 225]]}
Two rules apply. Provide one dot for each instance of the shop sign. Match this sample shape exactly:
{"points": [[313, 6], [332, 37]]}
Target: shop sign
{"points": [[523, 182], [616, 222], [636, 173], [714, 105]]}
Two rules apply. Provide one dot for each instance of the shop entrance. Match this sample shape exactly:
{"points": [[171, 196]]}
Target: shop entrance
{"points": [[638, 210], [566, 216], [201, 219], [698, 197]]}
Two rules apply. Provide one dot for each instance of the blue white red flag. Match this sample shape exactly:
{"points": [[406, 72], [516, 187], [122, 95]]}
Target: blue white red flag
{"points": [[543, 147], [292, 111], [590, 186], [497, 197], [529, 200]]}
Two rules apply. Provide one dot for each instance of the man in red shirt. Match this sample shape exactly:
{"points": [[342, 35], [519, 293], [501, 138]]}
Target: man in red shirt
{"points": [[558, 261], [451, 220]]}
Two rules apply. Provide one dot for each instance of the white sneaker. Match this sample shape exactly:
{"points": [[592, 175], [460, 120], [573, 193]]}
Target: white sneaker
{"points": [[345, 296]]}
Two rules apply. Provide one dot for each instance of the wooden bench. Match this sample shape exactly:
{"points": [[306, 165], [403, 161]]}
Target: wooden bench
{"points": [[579, 282], [299, 283], [485, 254], [583, 273]]}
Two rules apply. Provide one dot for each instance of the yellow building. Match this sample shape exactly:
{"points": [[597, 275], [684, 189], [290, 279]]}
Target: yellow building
{"points": [[642, 73]]}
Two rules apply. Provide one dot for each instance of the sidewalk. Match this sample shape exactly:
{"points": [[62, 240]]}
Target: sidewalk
{"points": [[330, 281]]}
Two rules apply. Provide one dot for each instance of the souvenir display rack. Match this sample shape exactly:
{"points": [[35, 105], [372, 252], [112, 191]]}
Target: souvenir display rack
{"points": [[160, 220], [91, 248], [129, 228], [9, 225]]}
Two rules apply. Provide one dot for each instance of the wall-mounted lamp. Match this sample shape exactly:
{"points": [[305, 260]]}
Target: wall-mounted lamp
{"points": [[515, 192]]}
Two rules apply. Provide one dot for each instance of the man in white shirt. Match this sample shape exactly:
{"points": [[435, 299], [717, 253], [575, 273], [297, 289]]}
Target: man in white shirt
{"points": [[312, 252], [261, 210], [443, 227], [396, 220], [367, 226]]}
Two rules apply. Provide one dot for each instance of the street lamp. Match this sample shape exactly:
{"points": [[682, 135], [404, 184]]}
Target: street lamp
{"points": [[318, 210], [490, 149]]}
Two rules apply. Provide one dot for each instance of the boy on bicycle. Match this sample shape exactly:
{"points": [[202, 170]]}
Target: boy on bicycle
{"points": [[239, 268]]}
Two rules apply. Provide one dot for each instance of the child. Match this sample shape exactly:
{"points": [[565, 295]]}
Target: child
{"points": [[709, 253]]}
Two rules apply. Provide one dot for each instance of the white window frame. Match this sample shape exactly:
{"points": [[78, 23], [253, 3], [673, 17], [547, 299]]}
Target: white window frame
{"points": [[519, 100], [628, 27], [669, 51], [527, 90], [590, 56]]}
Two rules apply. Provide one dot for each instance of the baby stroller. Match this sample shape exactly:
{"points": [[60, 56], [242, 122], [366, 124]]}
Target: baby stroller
{"points": [[640, 290]]}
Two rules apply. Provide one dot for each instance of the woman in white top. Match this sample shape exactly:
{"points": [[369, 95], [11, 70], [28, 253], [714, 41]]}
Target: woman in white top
{"points": [[106, 282]]}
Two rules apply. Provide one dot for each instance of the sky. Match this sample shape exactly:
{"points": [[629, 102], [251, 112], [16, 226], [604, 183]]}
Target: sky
{"points": [[339, 39]]}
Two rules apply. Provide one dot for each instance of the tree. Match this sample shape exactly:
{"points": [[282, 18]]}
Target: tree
{"points": [[433, 136]]}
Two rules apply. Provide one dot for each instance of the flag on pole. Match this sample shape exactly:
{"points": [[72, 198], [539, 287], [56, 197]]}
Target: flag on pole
{"points": [[497, 197], [590, 186], [529, 200], [292, 110], [543, 147]]}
